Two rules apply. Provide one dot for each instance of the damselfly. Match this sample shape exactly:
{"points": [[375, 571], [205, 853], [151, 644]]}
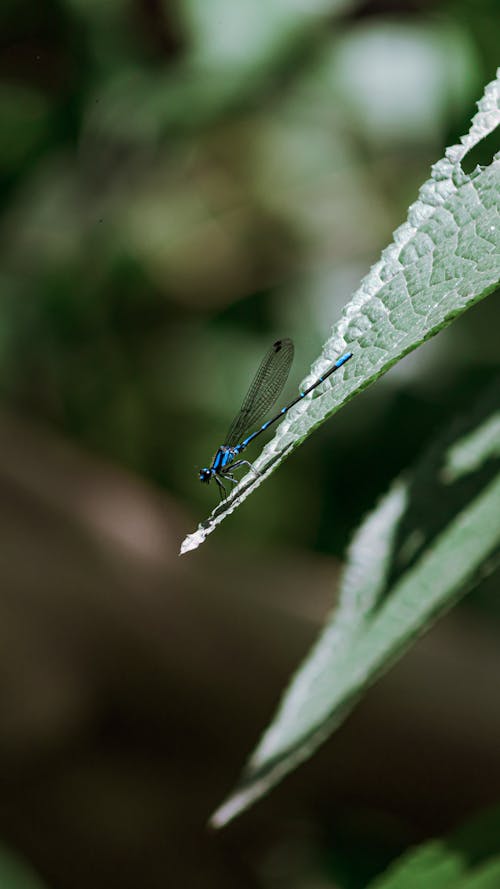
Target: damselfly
{"points": [[265, 389]]}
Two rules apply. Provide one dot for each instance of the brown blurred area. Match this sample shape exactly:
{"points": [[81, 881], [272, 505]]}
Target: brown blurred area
{"points": [[180, 184], [134, 684]]}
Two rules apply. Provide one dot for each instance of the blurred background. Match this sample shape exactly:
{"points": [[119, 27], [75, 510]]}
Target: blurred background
{"points": [[181, 184]]}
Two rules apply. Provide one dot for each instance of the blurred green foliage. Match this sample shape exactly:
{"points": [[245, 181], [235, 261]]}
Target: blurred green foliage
{"points": [[14, 874], [183, 182], [180, 184], [468, 859]]}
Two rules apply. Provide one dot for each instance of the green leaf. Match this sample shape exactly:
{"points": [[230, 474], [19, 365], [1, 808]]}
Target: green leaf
{"points": [[486, 877], [443, 260], [15, 874], [432, 536], [438, 866], [468, 859], [433, 864], [479, 839]]}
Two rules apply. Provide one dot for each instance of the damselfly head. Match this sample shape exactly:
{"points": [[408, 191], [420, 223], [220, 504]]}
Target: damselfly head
{"points": [[205, 475]]}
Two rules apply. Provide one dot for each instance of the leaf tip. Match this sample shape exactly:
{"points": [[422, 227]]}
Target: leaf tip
{"points": [[233, 806], [193, 541]]}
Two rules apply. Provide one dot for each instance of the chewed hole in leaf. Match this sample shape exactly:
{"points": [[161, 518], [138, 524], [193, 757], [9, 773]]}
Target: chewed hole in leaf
{"points": [[483, 153]]}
